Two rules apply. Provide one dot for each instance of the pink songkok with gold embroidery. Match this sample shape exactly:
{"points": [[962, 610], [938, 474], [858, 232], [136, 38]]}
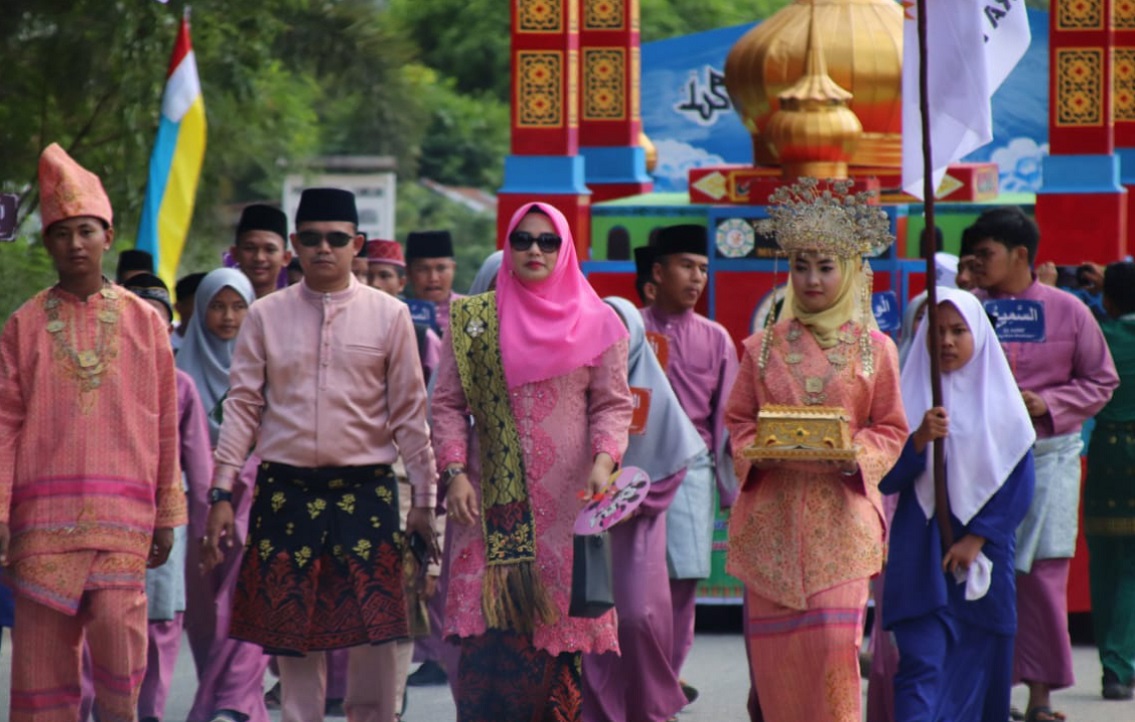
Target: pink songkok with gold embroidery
{"points": [[68, 190]]}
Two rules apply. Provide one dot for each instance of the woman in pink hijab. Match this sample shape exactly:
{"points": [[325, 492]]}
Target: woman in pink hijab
{"points": [[540, 368]]}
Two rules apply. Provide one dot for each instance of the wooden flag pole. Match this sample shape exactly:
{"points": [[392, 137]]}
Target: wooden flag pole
{"points": [[941, 497]]}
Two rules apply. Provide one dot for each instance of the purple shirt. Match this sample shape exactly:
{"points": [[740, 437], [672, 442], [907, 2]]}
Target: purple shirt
{"points": [[701, 367], [1071, 369]]}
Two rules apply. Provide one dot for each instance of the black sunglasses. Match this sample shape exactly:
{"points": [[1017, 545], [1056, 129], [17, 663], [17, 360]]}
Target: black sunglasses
{"points": [[335, 239], [523, 240]]}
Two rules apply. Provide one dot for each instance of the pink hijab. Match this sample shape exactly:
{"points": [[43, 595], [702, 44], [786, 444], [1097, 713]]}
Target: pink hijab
{"points": [[556, 326]]}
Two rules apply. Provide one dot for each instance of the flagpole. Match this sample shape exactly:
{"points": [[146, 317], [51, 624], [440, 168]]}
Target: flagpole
{"points": [[929, 242]]}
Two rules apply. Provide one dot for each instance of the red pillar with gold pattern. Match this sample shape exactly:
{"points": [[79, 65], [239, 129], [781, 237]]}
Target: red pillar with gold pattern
{"points": [[610, 116], [1081, 207], [1123, 104], [544, 164]]}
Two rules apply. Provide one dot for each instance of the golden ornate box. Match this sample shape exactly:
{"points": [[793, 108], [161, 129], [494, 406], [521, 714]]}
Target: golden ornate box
{"points": [[802, 433]]}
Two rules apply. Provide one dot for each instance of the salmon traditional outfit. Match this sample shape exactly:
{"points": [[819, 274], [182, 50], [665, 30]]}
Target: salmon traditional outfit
{"points": [[543, 371], [806, 541], [88, 471]]}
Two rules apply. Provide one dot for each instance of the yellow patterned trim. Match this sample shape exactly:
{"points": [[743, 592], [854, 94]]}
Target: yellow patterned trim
{"points": [[604, 84], [539, 77], [573, 89], [1123, 83], [603, 14], [539, 16], [1109, 525], [636, 83], [1079, 87], [1079, 15]]}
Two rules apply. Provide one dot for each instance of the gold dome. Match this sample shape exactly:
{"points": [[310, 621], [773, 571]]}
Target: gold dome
{"points": [[863, 48], [814, 133]]}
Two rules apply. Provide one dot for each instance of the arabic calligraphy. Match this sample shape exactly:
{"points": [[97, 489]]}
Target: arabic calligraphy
{"points": [[1017, 320], [704, 97]]}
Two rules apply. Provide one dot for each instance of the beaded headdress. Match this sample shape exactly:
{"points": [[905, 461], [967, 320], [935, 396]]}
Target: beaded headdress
{"points": [[824, 216]]}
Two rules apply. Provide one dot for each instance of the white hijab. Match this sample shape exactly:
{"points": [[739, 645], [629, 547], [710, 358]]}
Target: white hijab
{"points": [[990, 429]]}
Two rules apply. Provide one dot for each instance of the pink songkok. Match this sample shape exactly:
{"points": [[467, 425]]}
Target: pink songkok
{"points": [[550, 328], [68, 190]]}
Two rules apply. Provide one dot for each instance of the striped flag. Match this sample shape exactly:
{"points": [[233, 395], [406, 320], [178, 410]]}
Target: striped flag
{"points": [[972, 47], [175, 163]]}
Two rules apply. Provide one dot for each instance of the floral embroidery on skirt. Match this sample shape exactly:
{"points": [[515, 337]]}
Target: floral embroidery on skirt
{"points": [[322, 566]]}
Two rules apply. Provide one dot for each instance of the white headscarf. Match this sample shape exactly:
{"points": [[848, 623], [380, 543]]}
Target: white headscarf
{"points": [[946, 269], [990, 429], [204, 356], [487, 273], [909, 314], [671, 441]]}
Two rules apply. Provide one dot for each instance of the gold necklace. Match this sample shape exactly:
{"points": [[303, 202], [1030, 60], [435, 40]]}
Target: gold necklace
{"points": [[85, 365], [814, 386]]}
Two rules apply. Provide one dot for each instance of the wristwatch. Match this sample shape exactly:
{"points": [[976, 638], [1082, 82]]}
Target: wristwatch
{"points": [[451, 473], [216, 495]]}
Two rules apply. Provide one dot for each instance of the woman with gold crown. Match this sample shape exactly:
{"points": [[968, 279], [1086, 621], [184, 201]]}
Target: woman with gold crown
{"points": [[806, 533]]}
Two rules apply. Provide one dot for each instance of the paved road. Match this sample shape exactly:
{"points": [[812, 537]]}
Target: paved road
{"points": [[717, 667]]}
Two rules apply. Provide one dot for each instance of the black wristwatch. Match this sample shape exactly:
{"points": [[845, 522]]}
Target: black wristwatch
{"points": [[450, 474], [216, 495]]}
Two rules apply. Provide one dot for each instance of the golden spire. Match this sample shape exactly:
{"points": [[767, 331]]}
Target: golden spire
{"points": [[814, 132]]}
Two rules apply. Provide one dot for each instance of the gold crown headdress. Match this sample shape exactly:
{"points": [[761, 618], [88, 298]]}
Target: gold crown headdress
{"points": [[824, 216]]}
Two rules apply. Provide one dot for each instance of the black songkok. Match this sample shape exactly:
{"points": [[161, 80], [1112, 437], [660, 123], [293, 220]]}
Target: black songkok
{"points": [[147, 285], [134, 260], [259, 217], [327, 204], [689, 238], [429, 244], [644, 262]]}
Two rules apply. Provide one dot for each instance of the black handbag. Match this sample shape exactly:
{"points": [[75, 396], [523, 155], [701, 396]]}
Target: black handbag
{"points": [[592, 592]]}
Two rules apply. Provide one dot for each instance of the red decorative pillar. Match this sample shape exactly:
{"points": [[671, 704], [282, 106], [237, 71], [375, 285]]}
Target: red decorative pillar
{"points": [[544, 164], [610, 116], [1081, 207], [1123, 104]]}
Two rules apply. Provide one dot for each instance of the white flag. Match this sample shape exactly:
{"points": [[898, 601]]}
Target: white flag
{"points": [[972, 46]]}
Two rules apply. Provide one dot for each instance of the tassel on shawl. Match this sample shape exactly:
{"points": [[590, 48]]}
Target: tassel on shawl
{"points": [[514, 598]]}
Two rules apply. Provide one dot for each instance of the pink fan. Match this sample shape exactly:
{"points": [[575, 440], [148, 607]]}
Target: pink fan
{"points": [[625, 491]]}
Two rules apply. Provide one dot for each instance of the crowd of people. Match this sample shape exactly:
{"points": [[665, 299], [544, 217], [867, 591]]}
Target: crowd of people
{"points": [[304, 477]]}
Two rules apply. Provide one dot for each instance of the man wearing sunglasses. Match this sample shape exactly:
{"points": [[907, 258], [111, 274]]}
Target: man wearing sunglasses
{"points": [[430, 261], [326, 382], [701, 365]]}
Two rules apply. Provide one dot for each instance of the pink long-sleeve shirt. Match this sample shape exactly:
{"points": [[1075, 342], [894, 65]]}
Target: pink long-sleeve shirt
{"points": [[702, 366], [1071, 369], [328, 379]]}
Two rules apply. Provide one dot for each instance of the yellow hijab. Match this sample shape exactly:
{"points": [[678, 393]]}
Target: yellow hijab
{"points": [[848, 304]]}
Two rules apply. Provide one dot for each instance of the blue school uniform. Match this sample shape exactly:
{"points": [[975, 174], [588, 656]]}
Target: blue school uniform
{"points": [[956, 656]]}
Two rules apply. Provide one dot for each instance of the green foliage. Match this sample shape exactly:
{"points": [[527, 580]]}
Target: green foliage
{"points": [[467, 137], [669, 18], [466, 40], [25, 268]]}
